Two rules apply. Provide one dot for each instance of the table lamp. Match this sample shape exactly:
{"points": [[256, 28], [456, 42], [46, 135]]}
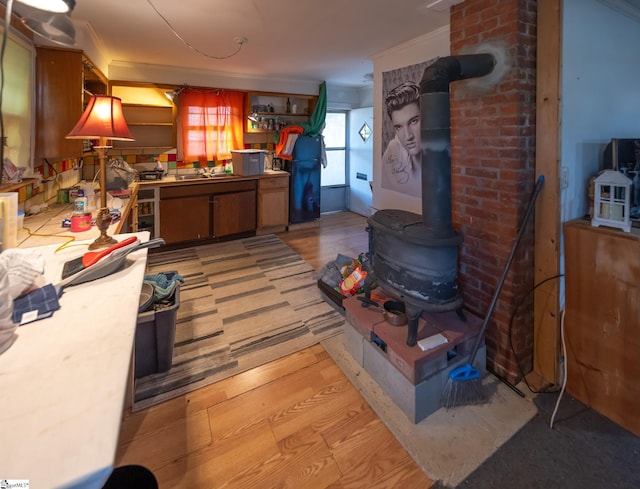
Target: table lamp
{"points": [[102, 119]]}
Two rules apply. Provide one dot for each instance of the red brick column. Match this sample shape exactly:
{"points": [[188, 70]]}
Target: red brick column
{"points": [[493, 172]]}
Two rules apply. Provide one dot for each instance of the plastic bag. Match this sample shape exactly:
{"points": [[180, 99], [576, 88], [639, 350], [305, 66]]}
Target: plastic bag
{"points": [[119, 174], [353, 282]]}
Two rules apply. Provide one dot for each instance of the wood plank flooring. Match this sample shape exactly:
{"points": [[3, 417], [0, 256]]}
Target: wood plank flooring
{"points": [[296, 422]]}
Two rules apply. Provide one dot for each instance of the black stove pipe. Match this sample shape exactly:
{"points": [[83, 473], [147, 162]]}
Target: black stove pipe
{"points": [[435, 123]]}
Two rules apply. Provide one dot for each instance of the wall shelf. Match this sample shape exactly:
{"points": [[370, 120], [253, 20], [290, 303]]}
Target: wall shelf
{"points": [[258, 104]]}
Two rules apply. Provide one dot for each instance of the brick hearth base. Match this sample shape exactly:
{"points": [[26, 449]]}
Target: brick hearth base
{"points": [[412, 378]]}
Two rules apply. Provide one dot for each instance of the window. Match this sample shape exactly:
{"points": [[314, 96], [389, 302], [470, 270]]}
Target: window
{"points": [[17, 100], [211, 124], [335, 137]]}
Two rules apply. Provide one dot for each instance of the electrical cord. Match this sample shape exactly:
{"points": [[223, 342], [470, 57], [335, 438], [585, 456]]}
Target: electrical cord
{"points": [[513, 350], [70, 239], [240, 41], [564, 370], [57, 177]]}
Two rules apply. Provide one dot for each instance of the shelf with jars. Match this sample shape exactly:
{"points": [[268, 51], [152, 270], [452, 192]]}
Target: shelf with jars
{"points": [[270, 111]]}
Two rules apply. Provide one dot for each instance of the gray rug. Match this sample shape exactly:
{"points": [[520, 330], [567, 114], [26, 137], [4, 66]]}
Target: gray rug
{"points": [[584, 450], [243, 303]]}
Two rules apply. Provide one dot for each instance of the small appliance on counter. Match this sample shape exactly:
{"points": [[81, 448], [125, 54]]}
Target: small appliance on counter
{"points": [[155, 174], [247, 162]]}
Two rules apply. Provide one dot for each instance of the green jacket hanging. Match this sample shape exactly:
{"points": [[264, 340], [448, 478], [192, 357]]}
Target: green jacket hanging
{"points": [[319, 115]]}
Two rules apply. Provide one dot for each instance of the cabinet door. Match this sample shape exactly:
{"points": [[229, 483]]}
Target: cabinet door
{"points": [[59, 76], [185, 218], [234, 213], [273, 202]]}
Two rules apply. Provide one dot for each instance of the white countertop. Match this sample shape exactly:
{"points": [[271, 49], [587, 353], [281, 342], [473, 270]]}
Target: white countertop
{"points": [[64, 379], [46, 228]]}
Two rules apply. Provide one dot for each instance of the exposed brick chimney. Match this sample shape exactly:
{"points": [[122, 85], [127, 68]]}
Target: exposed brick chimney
{"points": [[493, 174]]}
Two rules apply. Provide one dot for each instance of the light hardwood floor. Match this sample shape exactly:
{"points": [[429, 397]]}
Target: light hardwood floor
{"points": [[296, 422]]}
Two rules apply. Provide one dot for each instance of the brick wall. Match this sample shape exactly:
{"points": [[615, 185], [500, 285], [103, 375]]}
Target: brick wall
{"points": [[493, 173]]}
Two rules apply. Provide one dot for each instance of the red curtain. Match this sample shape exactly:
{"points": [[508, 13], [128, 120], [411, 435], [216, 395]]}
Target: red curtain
{"points": [[211, 124]]}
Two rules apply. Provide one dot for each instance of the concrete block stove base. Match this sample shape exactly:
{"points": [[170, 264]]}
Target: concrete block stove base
{"points": [[412, 378]]}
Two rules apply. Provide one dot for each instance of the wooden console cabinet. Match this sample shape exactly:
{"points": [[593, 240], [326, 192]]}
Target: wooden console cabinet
{"points": [[602, 320]]}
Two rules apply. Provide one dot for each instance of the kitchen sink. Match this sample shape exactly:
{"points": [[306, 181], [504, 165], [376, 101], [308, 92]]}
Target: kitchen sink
{"points": [[208, 176]]}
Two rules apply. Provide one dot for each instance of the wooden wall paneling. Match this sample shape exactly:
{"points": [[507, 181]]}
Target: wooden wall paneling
{"points": [[547, 217]]}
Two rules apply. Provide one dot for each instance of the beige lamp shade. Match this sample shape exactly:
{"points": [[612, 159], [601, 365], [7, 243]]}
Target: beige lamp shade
{"points": [[103, 118]]}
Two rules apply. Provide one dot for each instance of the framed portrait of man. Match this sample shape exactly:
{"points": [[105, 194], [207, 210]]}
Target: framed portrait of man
{"points": [[401, 145]]}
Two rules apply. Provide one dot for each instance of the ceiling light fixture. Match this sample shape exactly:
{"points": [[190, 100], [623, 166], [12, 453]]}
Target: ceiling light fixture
{"points": [[57, 28], [56, 6], [53, 26]]}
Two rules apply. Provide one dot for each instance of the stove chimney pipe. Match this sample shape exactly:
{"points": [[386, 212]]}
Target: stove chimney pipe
{"points": [[435, 123]]}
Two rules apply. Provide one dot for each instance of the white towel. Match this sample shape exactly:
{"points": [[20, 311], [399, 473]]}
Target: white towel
{"points": [[19, 270], [289, 144]]}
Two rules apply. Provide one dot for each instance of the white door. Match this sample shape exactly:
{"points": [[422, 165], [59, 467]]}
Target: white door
{"points": [[360, 161]]}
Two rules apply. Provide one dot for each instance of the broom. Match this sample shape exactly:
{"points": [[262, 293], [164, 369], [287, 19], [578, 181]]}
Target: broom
{"points": [[464, 386]]}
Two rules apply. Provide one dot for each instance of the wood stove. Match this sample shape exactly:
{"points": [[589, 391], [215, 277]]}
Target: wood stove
{"points": [[415, 257]]}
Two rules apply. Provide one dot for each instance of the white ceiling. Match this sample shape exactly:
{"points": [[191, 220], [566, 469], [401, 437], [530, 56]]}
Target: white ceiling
{"points": [[330, 40]]}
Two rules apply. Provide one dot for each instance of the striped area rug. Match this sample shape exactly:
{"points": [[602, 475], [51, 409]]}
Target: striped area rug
{"points": [[243, 303]]}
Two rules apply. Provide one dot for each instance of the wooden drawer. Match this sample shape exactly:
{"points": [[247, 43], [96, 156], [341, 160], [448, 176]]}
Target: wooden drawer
{"points": [[175, 191], [189, 190], [281, 181]]}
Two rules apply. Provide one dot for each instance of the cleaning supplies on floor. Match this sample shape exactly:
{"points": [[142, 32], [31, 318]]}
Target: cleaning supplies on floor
{"points": [[464, 386], [164, 284]]}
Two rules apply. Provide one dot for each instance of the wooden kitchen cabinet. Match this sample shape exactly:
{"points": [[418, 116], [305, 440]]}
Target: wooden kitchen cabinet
{"points": [[185, 213], [273, 203], [212, 210], [61, 78], [234, 213], [602, 320], [151, 117], [151, 127]]}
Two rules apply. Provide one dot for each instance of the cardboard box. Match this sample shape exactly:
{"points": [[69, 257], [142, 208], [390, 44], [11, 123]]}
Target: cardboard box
{"points": [[247, 162]]}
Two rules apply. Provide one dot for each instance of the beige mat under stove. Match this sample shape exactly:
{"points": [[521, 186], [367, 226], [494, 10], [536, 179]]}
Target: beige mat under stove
{"points": [[449, 444]]}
